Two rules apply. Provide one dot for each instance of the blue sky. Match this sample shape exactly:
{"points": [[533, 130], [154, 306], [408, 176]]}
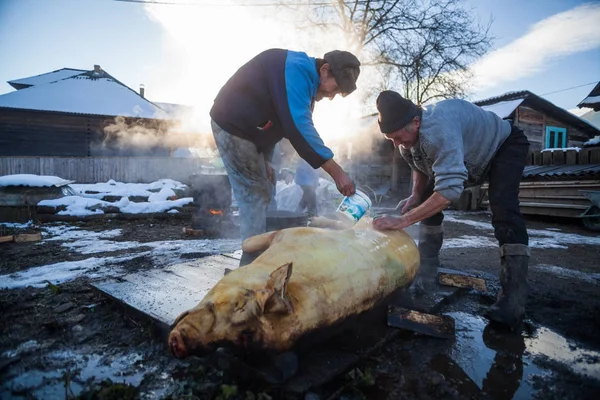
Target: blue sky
{"points": [[182, 54]]}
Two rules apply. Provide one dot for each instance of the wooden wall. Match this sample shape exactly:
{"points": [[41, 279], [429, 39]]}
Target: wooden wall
{"points": [[102, 169], [39, 133], [568, 157], [533, 123]]}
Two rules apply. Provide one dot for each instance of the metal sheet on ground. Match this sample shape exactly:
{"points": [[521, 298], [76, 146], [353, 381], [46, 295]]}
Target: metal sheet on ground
{"points": [[163, 294]]}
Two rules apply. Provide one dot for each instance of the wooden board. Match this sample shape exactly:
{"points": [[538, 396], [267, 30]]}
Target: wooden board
{"points": [[439, 326], [163, 294], [462, 281], [28, 237], [7, 239]]}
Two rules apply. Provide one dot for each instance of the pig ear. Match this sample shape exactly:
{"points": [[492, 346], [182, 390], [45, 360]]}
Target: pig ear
{"points": [[279, 279], [277, 287]]}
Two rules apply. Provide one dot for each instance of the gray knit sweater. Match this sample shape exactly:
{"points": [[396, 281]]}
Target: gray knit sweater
{"points": [[457, 141]]}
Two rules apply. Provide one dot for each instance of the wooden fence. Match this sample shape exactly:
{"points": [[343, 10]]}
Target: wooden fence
{"points": [[567, 157], [102, 169]]}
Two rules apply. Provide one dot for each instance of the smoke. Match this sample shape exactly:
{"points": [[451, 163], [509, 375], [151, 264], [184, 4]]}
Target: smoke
{"points": [[127, 136], [208, 43]]}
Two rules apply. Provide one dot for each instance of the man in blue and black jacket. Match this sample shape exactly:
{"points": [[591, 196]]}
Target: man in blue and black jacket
{"points": [[269, 98]]}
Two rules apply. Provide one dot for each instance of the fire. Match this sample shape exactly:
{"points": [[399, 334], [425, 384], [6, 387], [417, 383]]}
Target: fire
{"points": [[215, 212]]}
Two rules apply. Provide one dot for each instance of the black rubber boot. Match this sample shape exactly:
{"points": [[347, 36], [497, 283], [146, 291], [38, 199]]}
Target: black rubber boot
{"points": [[247, 257], [430, 243], [509, 309]]}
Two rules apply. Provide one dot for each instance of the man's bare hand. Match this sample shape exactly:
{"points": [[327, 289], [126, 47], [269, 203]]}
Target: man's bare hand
{"points": [[388, 223], [410, 203], [345, 185]]}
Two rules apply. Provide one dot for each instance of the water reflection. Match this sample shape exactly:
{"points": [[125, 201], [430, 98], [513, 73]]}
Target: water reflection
{"points": [[500, 363], [504, 376]]}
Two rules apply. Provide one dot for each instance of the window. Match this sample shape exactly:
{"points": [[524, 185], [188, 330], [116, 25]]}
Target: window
{"points": [[556, 138]]}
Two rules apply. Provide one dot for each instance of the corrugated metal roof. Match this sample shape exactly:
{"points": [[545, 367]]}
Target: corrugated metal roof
{"points": [[556, 171]]}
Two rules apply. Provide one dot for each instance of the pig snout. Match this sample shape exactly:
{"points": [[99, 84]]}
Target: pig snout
{"points": [[177, 344]]}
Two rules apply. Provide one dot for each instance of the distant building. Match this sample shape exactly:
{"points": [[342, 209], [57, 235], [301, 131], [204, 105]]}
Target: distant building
{"points": [[73, 112], [545, 124], [592, 100], [590, 107]]}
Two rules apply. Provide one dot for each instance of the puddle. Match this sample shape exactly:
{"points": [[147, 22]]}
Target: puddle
{"points": [[503, 363], [82, 369]]}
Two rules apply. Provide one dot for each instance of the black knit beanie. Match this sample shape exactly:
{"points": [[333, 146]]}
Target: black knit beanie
{"points": [[395, 112], [345, 68]]}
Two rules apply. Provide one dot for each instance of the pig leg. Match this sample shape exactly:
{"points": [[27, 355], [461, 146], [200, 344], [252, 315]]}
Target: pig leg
{"points": [[259, 242]]}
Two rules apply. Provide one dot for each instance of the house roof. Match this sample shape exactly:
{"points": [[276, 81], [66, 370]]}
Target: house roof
{"points": [[536, 102], [175, 110], [592, 100], [45, 78], [90, 93]]}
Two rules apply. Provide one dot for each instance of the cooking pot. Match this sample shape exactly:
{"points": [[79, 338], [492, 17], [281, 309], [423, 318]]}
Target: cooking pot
{"points": [[279, 219]]}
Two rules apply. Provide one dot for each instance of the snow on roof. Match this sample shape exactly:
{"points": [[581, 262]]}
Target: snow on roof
{"points": [[589, 101], [174, 109], [592, 117], [48, 77], [32, 180], [504, 108], [83, 95]]}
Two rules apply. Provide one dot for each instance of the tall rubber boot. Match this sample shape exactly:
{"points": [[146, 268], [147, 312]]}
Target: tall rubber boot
{"points": [[247, 257], [430, 243], [509, 309]]}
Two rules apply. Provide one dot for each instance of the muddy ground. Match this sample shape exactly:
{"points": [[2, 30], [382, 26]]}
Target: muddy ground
{"points": [[68, 340]]}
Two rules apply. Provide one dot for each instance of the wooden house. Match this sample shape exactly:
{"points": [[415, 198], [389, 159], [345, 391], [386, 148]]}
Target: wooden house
{"points": [[79, 113], [545, 124]]}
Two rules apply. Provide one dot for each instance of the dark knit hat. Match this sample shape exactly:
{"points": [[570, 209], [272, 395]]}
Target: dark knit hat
{"points": [[395, 112], [345, 68]]}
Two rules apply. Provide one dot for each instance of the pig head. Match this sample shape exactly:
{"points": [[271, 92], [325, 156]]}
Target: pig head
{"points": [[230, 314]]}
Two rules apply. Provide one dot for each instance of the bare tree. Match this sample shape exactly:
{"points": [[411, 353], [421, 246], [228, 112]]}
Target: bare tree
{"points": [[422, 46]]}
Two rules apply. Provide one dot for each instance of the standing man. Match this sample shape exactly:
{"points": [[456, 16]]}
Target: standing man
{"points": [[450, 145], [271, 97]]}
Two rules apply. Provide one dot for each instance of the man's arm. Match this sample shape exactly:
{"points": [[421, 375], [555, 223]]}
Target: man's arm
{"points": [[419, 183], [433, 205], [342, 180]]}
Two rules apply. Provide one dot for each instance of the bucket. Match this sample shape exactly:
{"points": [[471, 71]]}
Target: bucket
{"points": [[352, 208]]}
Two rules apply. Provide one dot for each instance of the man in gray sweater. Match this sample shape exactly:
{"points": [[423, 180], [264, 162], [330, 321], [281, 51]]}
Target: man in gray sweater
{"points": [[450, 145]]}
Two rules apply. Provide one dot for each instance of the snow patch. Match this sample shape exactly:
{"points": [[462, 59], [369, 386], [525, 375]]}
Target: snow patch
{"points": [[32, 180], [569, 273]]}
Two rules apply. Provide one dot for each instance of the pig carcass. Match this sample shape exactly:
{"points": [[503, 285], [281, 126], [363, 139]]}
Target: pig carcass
{"points": [[306, 279]]}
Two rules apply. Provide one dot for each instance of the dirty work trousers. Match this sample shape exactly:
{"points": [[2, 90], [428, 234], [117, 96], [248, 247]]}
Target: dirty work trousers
{"points": [[504, 176], [247, 172], [309, 200]]}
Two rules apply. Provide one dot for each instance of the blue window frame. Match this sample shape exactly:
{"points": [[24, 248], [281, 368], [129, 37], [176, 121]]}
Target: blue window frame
{"points": [[556, 138]]}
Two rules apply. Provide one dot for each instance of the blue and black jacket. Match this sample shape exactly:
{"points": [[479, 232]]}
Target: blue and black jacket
{"points": [[271, 97]]}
